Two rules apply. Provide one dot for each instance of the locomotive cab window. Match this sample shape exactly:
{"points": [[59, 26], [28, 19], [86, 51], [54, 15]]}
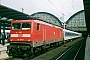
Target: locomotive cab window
{"points": [[16, 26], [26, 26], [38, 26]]}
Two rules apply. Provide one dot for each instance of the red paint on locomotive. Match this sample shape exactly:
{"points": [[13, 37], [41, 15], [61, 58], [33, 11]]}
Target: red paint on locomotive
{"points": [[29, 36], [44, 31]]}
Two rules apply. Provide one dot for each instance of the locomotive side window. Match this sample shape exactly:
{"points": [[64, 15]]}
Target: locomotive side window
{"points": [[16, 26], [26, 26], [38, 26]]}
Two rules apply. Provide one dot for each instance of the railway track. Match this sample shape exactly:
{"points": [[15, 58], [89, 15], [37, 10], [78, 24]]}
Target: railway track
{"points": [[73, 52], [78, 52], [47, 53], [52, 55]]}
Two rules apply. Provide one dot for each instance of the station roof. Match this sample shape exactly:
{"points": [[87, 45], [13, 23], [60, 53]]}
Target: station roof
{"points": [[77, 22], [11, 13], [8, 14], [74, 16], [47, 17], [87, 14]]}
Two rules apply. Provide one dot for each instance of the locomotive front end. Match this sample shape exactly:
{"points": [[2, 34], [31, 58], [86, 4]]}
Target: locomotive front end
{"points": [[20, 38]]}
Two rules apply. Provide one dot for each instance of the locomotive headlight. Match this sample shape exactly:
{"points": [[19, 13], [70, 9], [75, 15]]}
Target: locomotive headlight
{"points": [[29, 40], [11, 40]]}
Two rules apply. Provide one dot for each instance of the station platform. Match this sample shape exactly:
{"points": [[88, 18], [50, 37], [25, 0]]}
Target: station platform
{"points": [[3, 49], [87, 49]]}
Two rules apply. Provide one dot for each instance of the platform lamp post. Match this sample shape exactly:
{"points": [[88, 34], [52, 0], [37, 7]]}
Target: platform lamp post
{"points": [[64, 33], [22, 10], [63, 23]]}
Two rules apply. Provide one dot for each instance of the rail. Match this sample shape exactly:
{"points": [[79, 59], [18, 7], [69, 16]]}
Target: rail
{"points": [[64, 53], [77, 52], [70, 49]]}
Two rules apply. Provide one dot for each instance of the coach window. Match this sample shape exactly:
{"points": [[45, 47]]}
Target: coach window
{"points": [[38, 26]]}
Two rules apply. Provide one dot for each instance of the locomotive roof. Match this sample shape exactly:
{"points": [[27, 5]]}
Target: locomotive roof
{"points": [[41, 22], [36, 21]]}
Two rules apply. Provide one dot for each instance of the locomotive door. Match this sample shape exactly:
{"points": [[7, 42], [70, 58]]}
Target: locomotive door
{"points": [[44, 36]]}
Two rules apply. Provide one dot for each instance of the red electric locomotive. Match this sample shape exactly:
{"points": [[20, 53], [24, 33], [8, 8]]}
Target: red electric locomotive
{"points": [[26, 36]]}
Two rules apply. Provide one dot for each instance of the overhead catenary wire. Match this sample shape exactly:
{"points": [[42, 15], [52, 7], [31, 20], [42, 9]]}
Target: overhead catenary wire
{"points": [[45, 4], [72, 5], [32, 5], [56, 8], [63, 6], [60, 4], [48, 5]]}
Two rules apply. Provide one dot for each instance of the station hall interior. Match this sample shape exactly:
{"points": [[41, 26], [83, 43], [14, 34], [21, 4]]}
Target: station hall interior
{"points": [[78, 22]]}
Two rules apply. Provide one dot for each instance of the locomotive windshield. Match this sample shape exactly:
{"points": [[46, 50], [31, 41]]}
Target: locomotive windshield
{"points": [[19, 26], [26, 26], [16, 26]]}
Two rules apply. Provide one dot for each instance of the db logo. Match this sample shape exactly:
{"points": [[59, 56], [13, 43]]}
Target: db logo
{"points": [[19, 35]]}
